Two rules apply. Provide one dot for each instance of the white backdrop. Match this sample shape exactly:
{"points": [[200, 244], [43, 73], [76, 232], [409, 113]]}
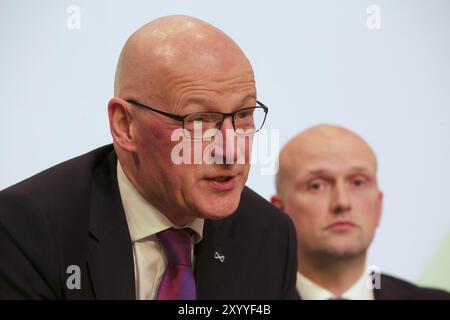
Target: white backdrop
{"points": [[314, 61]]}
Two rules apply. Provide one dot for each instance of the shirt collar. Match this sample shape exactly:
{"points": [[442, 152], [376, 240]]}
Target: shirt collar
{"points": [[309, 290], [143, 219], [360, 289]]}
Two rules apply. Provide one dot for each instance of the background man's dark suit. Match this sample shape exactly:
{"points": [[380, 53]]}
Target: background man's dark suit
{"points": [[396, 289], [72, 214]]}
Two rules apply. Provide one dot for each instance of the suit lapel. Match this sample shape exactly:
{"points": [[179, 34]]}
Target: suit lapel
{"points": [[215, 257], [390, 290], [110, 262]]}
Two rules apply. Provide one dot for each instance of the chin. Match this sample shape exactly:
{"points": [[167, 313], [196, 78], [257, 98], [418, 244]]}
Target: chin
{"points": [[221, 208], [346, 251]]}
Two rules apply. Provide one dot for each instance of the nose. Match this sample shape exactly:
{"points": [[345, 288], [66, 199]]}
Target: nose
{"points": [[341, 201], [229, 148]]}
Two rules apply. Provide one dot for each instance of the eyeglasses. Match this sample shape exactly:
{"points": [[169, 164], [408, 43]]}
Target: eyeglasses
{"points": [[205, 125]]}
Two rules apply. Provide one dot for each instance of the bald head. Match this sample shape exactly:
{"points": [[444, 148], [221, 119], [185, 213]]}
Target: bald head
{"points": [[321, 147], [168, 44], [179, 65]]}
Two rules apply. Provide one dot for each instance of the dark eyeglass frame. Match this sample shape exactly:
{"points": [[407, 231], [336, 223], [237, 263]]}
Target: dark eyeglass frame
{"points": [[224, 114]]}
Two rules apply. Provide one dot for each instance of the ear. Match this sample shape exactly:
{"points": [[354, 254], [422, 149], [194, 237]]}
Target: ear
{"points": [[120, 124], [380, 206], [277, 202]]}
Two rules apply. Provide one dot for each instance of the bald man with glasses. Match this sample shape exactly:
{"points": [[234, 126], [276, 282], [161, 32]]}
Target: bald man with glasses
{"points": [[129, 220]]}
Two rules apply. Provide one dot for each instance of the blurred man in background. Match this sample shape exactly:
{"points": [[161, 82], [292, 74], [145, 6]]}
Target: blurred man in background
{"points": [[327, 184]]}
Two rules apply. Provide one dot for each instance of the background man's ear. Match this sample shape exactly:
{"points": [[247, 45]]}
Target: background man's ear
{"points": [[276, 201], [380, 206]]}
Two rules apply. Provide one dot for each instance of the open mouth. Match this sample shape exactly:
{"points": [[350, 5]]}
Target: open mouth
{"points": [[222, 178], [222, 183]]}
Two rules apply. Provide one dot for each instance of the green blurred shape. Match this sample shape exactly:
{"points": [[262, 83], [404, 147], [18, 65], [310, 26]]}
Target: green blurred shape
{"points": [[437, 272]]}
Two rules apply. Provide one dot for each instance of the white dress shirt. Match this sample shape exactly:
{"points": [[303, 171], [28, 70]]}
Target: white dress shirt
{"points": [[360, 290], [144, 222]]}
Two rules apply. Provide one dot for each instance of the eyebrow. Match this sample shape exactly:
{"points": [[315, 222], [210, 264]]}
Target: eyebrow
{"points": [[247, 97], [318, 172], [321, 172], [209, 102]]}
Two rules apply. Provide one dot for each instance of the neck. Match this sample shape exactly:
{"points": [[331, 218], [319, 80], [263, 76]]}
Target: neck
{"points": [[336, 274]]}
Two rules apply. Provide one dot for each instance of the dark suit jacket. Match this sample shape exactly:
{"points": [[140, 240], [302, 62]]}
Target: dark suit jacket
{"points": [[395, 289], [72, 214]]}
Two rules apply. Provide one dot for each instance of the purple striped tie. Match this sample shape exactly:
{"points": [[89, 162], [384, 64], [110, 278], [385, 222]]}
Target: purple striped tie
{"points": [[178, 280]]}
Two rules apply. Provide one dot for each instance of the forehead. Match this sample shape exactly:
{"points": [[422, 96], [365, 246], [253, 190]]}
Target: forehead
{"points": [[337, 156], [187, 85], [196, 61], [207, 67]]}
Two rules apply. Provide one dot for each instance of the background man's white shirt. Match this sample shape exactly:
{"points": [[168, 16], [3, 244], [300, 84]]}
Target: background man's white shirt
{"points": [[309, 290]]}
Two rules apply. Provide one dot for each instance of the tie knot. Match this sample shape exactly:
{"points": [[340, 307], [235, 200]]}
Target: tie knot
{"points": [[177, 245]]}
